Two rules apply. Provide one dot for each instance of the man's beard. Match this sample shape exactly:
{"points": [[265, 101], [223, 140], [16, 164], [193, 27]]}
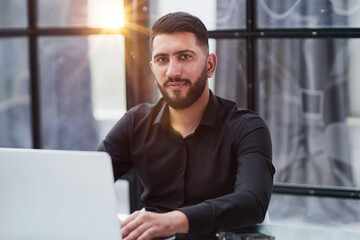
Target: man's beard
{"points": [[194, 93]]}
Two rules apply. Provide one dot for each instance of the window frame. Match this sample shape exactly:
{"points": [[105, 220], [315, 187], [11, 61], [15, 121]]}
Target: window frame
{"points": [[32, 32]]}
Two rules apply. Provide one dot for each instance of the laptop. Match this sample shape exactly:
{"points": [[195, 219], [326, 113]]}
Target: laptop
{"points": [[57, 194]]}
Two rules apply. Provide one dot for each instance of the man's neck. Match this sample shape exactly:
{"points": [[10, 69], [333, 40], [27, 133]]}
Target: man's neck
{"points": [[185, 121]]}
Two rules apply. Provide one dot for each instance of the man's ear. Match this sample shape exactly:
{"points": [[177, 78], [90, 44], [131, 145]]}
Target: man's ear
{"points": [[211, 64], [150, 63]]}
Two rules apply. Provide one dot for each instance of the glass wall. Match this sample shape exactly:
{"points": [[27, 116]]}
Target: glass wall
{"points": [[308, 14], [81, 13], [307, 95], [15, 99], [304, 97], [13, 14], [78, 77]]}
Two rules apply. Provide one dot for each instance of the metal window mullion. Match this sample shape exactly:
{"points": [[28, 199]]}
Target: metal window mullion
{"points": [[34, 80], [250, 43], [316, 191], [286, 33]]}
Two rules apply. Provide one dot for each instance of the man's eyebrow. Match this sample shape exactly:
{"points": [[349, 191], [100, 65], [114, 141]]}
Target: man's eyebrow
{"points": [[175, 53], [185, 51], [160, 55]]}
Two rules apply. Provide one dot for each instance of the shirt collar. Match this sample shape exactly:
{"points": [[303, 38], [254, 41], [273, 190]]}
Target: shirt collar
{"points": [[208, 119], [163, 116]]}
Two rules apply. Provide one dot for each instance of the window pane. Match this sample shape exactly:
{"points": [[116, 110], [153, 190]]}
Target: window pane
{"points": [[13, 14], [308, 13], [82, 89], [216, 14], [62, 13], [309, 98], [80, 13], [15, 130], [231, 76], [107, 67], [318, 212]]}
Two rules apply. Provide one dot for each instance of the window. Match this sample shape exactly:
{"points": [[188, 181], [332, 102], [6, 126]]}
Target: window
{"points": [[305, 71], [15, 101], [63, 82]]}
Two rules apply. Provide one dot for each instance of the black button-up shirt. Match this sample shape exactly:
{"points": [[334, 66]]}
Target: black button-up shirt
{"points": [[219, 176]]}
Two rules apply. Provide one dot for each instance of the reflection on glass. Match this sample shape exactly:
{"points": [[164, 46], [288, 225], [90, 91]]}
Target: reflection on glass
{"points": [[82, 89], [231, 75], [62, 13], [15, 120], [65, 90], [309, 98], [308, 14], [231, 14], [81, 13], [314, 212], [13, 14], [224, 14]]}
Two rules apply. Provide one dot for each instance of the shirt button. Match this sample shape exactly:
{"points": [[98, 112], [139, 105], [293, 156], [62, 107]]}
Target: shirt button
{"points": [[180, 170]]}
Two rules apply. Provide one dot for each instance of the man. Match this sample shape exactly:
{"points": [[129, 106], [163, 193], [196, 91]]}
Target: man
{"points": [[205, 164]]}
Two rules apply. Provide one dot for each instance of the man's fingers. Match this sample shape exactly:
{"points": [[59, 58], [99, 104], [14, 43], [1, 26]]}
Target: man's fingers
{"points": [[149, 234], [147, 225], [130, 218], [130, 224], [136, 234]]}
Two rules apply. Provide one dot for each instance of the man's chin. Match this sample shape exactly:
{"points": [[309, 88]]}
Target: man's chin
{"points": [[176, 95], [176, 102]]}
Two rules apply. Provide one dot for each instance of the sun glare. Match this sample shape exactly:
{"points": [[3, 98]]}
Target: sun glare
{"points": [[112, 18], [107, 14]]}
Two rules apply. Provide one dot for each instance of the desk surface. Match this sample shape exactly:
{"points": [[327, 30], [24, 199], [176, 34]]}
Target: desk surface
{"points": [[283, 232]]}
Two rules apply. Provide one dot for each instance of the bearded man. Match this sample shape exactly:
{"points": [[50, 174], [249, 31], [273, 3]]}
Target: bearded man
{"points": [[204, 163]]}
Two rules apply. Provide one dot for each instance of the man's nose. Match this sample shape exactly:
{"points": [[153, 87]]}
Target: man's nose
{"points": [[174, 69]]}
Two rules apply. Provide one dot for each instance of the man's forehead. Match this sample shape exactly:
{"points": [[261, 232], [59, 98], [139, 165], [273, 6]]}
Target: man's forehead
{"points": [[174, 42]]}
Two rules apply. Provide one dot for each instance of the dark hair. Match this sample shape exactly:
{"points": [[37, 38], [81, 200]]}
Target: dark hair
{"points": [[180, 22]]}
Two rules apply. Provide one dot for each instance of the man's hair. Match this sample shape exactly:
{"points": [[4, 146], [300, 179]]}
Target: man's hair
{"points": [[180, 22]]}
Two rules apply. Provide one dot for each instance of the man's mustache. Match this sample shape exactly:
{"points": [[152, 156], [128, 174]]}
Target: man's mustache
{"points": [[169, 80]]}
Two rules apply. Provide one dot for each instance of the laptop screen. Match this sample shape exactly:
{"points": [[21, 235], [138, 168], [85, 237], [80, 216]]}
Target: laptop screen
{"points": [[54, 194]]}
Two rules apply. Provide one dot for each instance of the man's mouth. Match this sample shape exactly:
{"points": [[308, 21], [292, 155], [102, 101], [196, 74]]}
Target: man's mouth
{"points": [[176, 85]]}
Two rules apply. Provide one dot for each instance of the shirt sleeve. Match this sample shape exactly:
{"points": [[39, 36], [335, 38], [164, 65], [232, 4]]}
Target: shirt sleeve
{"points": [[117, 145], [248, 203]]}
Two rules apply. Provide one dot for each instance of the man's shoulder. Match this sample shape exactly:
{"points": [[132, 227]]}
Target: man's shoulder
{"points": [[145, 110], [234, 113], [231, 107]]}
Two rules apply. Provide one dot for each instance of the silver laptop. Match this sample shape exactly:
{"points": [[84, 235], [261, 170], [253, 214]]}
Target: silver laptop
{"points": [[53, 194]]}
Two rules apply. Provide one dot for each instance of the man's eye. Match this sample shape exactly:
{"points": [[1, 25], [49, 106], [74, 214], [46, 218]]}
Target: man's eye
{"points": [[185, 56], [160, 59]]}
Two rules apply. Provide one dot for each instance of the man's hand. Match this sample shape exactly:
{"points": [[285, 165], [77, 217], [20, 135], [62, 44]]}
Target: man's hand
{"points": [[148, 225]]}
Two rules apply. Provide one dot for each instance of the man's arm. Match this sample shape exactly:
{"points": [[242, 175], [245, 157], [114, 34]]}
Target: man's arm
{"points": [[252, 191], [117, 145]]}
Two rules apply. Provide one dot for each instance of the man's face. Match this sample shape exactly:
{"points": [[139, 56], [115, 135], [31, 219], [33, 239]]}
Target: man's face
{"points": [[180, 67]]}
